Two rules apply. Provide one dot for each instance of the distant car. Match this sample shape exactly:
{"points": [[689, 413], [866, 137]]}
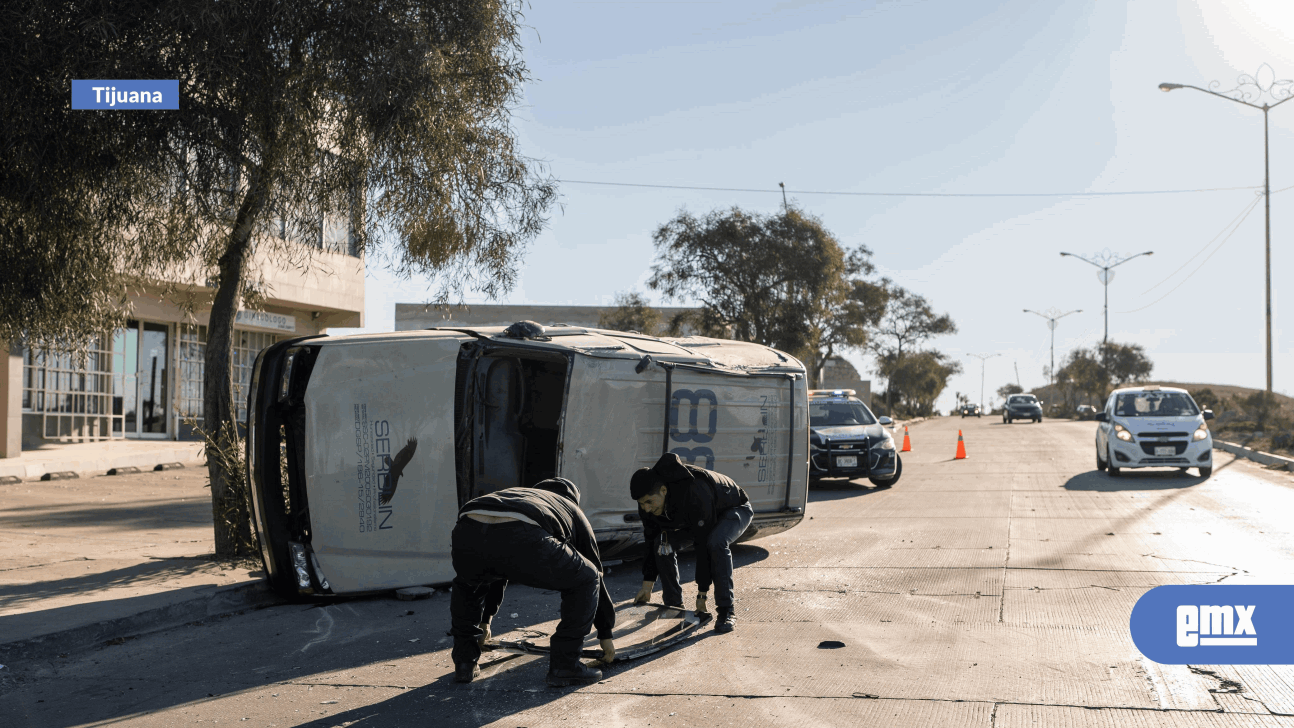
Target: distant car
{"points": [[1022, 407], [1086, 411], [1153, 427], [971, 409], [847, 441]]}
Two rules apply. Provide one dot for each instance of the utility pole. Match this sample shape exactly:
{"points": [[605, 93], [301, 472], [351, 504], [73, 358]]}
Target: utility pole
{"points": [[785, 207], [1051, 324], [982, 358], [1254, 88]]}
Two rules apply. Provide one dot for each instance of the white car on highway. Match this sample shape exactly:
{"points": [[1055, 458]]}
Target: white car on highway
{"points": [[1153, 427]]}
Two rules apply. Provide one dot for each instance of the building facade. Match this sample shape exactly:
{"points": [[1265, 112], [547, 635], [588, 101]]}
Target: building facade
{"points": [[144, 381]]}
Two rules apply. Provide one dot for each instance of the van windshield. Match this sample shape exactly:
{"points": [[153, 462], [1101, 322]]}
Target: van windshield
{"points": [[838, 414], [1155, 404]]}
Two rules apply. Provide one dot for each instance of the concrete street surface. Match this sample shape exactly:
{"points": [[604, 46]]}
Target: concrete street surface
{"points": [[992, 591]]}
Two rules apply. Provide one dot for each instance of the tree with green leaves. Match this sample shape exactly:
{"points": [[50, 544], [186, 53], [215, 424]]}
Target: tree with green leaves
{"points": [[632, 313], [907, 322], [781, 280], [914, 381], [1092, 373], [1008, 389], [393, 117], [1124, 363]]}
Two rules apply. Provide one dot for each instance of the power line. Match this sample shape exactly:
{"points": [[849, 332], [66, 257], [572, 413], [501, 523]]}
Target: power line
{"points": [[1243, 212], [905, 194], [1234, 228]]}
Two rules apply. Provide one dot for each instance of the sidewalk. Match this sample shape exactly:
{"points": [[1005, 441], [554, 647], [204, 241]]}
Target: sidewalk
{"points": [[97, 458], [99, 558]]}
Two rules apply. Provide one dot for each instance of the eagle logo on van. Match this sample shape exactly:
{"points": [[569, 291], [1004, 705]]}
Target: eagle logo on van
{"points": [[395, 466]]}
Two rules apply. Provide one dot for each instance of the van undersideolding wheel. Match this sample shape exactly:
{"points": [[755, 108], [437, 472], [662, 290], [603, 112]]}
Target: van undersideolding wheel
{"points": [[1109, 466], [1206, 472], [1100, 464]]}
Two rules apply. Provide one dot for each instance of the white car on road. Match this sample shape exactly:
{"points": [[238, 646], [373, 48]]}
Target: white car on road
{"points": [[1153, 427]]}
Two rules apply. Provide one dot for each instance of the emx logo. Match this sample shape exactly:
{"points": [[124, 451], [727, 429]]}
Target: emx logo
{"points": [[1215, 624], [1222, 622]]}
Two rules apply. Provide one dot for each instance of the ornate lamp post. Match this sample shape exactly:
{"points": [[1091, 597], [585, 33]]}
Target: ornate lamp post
{"points": [[1248, 91], [1106, 261], [982, 358], [1052, 318]]}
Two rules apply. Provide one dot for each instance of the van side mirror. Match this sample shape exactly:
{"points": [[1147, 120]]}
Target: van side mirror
{"points": [[885, 420], [1208, 414], [1102, 417]]}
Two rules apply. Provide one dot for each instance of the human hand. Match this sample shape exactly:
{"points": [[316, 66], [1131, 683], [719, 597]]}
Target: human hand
{"points": [[700, 604], [608, 651], [484, 627], [644, 594]]}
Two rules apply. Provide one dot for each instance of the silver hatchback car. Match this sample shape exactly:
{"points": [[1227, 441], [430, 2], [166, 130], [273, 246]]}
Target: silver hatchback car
{"points": [[1153, 427]]}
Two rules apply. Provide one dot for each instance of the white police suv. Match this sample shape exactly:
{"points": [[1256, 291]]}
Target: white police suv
{"points": [[1153, 427]]}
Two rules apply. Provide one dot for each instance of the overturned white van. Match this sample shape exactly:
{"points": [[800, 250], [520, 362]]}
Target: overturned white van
{"points": [[361, 448]]}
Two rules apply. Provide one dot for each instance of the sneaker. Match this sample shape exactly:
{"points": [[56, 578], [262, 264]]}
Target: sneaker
{"points": [[466, 672], [580, 674], [725, 623]]}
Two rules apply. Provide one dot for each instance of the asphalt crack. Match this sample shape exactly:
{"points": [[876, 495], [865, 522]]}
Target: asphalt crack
{"points": [[1225, 684]]}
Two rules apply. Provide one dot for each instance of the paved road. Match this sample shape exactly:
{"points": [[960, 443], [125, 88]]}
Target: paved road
{"points": [[992, 591]]}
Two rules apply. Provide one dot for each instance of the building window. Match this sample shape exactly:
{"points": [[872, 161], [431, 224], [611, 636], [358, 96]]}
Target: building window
{"points": [[71, 392], [192, 366], [192, 355], [247, 344]]}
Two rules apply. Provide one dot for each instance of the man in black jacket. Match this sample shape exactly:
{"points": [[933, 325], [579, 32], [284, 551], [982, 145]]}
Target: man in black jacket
{"points": [[708, 506], [537, 537]]}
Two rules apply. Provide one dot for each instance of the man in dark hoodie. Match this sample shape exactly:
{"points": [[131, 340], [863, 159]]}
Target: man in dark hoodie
{"points": [[712, 509], [537, 537]]}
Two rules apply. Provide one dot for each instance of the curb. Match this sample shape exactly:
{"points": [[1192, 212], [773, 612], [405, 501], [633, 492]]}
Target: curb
{"points": [[1255, 455], [87, 464], [225, 600]]}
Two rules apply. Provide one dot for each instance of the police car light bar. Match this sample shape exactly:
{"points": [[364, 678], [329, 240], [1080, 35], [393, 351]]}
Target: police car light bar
{"points": [[832, 393]]}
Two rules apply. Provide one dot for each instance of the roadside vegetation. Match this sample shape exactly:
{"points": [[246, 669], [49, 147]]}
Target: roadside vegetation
{"points": [[304, 127], [783, 280]]}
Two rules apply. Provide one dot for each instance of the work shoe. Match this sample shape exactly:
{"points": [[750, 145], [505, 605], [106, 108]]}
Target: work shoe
{"points": [[466, 672], [725, 623], [579, 674]]}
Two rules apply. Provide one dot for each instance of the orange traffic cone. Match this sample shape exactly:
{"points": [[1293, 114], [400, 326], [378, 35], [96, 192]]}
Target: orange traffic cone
{"points": [[961, 447], [907, 443]]}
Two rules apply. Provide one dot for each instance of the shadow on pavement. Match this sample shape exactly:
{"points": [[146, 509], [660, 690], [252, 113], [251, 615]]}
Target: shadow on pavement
{"points": [[830, 490], [292, 647], [130, 517], [1095, 480], [150, 572], [493, 697]]}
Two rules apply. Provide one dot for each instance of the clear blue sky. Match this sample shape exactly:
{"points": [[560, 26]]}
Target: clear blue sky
{"points": [[938, 96]]}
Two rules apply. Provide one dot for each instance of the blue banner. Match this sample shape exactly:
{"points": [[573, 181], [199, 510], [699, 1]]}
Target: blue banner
{"points": [[1215, 624], [117, 95]]}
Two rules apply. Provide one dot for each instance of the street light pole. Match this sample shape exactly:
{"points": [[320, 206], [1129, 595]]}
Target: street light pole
{"points": [[982, 358], [1103, 260], [1255, 87], [1051, 324]]}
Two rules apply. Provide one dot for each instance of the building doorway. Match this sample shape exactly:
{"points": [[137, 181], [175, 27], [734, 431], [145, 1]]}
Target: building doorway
{"points": [[141, 395]]}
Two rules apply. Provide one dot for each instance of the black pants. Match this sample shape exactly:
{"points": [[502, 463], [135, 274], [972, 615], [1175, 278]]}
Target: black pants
{"points": [[713, 560], [487, 556]]}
